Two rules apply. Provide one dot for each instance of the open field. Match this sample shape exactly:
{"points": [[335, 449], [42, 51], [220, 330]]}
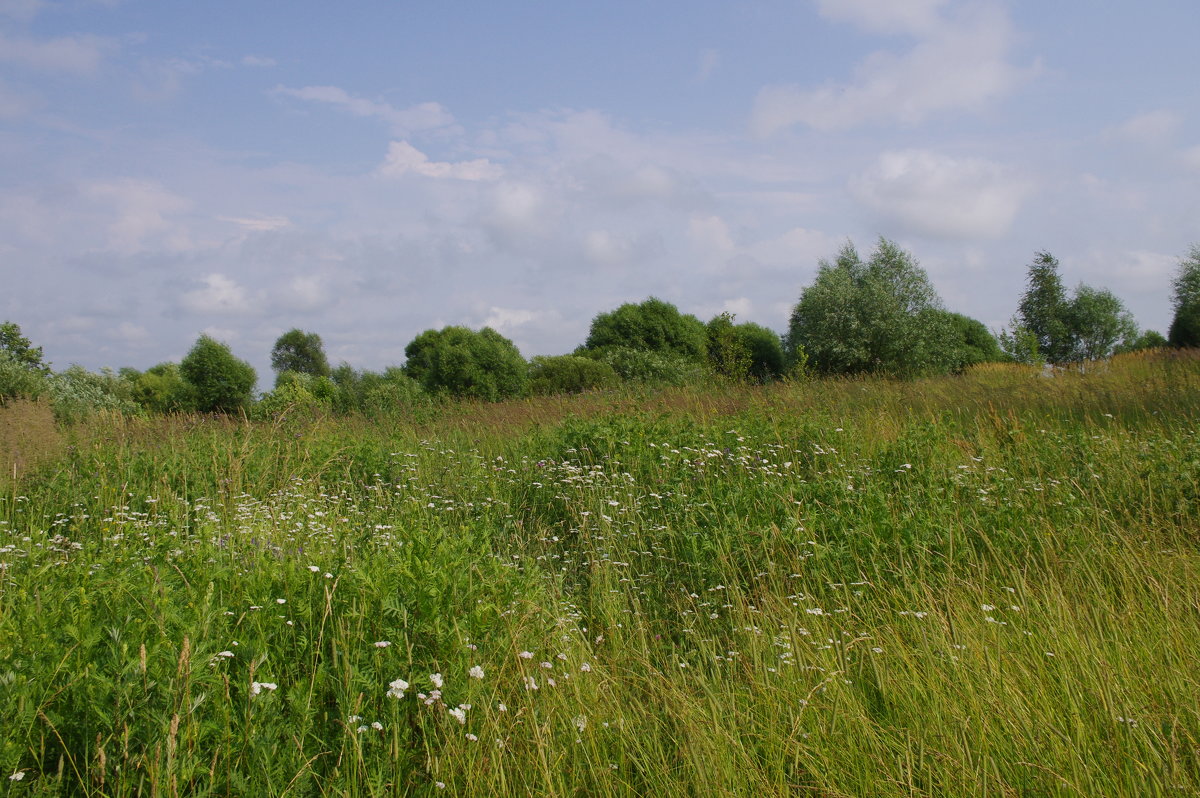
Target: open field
{"points": [[982, 585]]}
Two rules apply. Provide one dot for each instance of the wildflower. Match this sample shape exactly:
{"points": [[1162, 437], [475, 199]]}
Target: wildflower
{"points": [[585, 668], [472, 737], [580, 722], [501, 707], [441, 785], [436, 679], [526, 655], [382, 643], [258, 687], [476, 672], [362, 729], [20, 774], [459, 714], [547, 665], [530, 683], [986, 607], [397, 688], [314, 569], [281, 601], [377, 726]]}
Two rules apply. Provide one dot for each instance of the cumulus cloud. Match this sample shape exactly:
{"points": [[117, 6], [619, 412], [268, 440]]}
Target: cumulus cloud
{"points": [[219, 295], [1152, 127], [79, 54], [258, 61], [403, 158], [961, 60], [258, 224], [140, 212], [937, 195], [423, 116], [21, 9], [710, 235]]}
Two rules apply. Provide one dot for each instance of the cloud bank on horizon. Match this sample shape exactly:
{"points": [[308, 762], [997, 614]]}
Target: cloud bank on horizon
{"points": [[368, 173]]}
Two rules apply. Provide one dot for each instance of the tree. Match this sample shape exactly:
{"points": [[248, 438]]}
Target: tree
{"points": [[301, 352], [745, 351], [1092, 324], [1097, 324], [1185, 326], [460, 362], [654, 326], [1043, 309], [975, 343], [160, 388], [20, 349], [881, 316], [219, 381], [569, 374]]}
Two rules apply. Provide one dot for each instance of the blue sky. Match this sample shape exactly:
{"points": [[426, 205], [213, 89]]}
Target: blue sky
{"points": [[369, 170]]}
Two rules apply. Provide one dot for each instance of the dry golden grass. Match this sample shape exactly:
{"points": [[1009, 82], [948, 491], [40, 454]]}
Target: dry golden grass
{"points": [[28, 437]]}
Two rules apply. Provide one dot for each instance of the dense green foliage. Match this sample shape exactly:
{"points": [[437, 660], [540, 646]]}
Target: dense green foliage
{"points": [[300, 352], [649, 368], [218, 381], [881, 316], [974, 343], [970, 586], [1185, 299], [160, 388], [15, 347], [745, 351], [652, 326], [1049, 327], [460, 362], [565, 374]]}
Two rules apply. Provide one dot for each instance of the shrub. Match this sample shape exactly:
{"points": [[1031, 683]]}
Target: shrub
{"points": [[569, 374], [460, 362], [220, 382]]}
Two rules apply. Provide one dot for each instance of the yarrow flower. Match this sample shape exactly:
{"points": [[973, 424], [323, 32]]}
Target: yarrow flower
{"points": [[396, 688], [476, 672], [459, 714], [258, 687], [436, 679], [526, 655], [382, 643]]}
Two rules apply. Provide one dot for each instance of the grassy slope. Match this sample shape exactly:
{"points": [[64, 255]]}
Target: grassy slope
{"points": [[970, 586]]}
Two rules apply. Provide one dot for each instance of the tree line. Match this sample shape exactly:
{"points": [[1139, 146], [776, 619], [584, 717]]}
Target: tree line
{"points": [[879, 315]]}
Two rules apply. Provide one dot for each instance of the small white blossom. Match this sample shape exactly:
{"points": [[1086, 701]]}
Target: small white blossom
{"points": [[459, 714], [377, 726], [258, 687], [585, 668], [397, 688], [472, 737], [314, 569], [476, 672], [382, 643], [436, 680], [526, 655]]}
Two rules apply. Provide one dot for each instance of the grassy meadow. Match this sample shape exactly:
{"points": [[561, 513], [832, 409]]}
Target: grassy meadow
{"points": [[986, 585]]}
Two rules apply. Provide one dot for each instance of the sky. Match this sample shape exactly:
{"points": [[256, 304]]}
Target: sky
{"points": [[369, 170]]}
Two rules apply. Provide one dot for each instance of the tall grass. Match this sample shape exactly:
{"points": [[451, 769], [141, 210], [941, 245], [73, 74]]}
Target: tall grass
{"points": [[983, 585]]}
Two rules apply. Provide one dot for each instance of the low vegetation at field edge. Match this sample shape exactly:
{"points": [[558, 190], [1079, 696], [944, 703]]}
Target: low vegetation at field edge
{"points": [[975, 585]]}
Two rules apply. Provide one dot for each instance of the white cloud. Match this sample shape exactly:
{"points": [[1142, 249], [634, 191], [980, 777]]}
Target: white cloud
{"points": [[1152, 127], [504, 320], [79, 54], [710, 235], [518, 215], [604, 248], [21, 9], [403, 158], [220, 295], [710, 60], [12, 103], [959, 61], [884, 16], [141, 208], [258, 224], [1191, 157], [941, 196], [305, 293], [423, 116], [258, 61]]}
